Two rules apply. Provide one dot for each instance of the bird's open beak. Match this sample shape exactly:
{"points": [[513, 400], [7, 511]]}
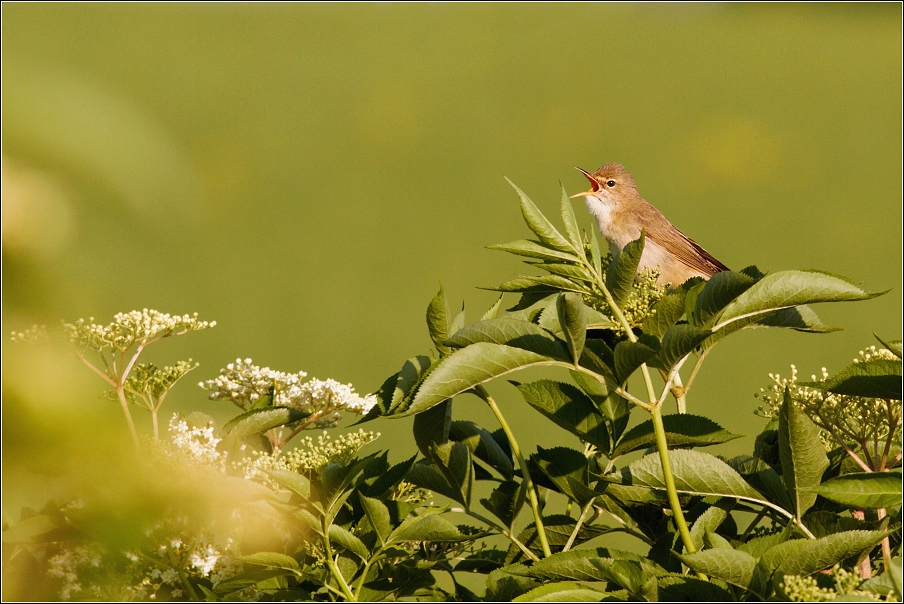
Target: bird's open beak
{"points": [[594, 186]]}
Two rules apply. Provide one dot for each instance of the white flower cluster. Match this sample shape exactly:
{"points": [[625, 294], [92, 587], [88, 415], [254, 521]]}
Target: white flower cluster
{"points": [[132, 327], [244, 383], [876, 353], [65, 565], [312, 457], [35, 333], [195, 443]]}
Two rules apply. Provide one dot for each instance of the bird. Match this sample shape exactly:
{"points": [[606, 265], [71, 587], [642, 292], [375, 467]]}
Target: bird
{"points": [[622, 214]]}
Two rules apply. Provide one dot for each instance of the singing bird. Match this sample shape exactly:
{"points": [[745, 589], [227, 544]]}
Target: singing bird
{"points": [[621, 213]]}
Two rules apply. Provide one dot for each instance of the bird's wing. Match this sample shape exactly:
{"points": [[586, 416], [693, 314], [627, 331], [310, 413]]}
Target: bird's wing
{"points": [[688, 251]]}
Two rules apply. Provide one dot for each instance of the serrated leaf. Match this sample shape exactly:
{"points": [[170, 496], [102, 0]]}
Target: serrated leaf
{"points": [[261, 420], [432, 427], [293, 481], [757, 546], [764, 479], [505, 502], [678, 342], [685, 588], [431, 478], [775, 555], [799, 318], [493, 311], [378, 515], [511, 332], [802, 454], [412, 372], [720, 290], [629, 356], [581, 564], [613, 406], [468, 367], [430, 528], [888, 583], [694, 472], [682, 430], [534, 249], [271, 559], [874, 378], [348, 541], [570, 222], [561, 463], [439, 321], [569, 408], [542, 284], [732, 566], [784, 289], [570, 309], [538, 223], [709, 521], [577, 273], [562, 592], [454, 461], [862, 490], [483, 446], [818, 554], [621, 272], [894, 346], [389, 479], [506, 583], [600, 359], [595, 255], [669, 309]]}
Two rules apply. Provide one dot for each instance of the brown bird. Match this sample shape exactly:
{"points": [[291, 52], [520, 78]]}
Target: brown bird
{"points": [[621, 213]]}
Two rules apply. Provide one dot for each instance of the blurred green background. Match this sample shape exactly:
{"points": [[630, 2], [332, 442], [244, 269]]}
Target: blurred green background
{"points": [[307, 175]]}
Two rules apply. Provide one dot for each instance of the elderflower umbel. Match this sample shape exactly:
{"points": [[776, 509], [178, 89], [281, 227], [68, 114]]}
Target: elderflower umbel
{"points": [[245, 383], [639, 304], [195, 442], [132, 328], [865, 422], [311, 457]]}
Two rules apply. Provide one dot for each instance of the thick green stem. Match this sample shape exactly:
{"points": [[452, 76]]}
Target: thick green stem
{"points": [[525, 472], [663, 446], [331, 564]]}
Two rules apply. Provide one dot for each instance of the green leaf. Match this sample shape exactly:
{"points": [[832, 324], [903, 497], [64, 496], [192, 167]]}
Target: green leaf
{"points": [[572, 272], [784, 289], [583, 564], [820, 554], [894, 346], [412, 372], [348, 541], [293, 481], [600, 359], [468, 367], [775, 555], [875, 378], [888, 583], [493, 311], [709, 521], [802, 454], [561, 463], [562, 592], [685, 588], [261, 420], [570, 309], [439, 320], [669, 309], [431, 478], [506, 583], [862, 490], [799, 318], [378, 515], [623, 269], [511, 332], [454, 461], [764, 479], [678, 341], [432, 427], [613, 406], [572, 231], [534, 249], [568, 407], [682, 430], [29, 530], [757, 546], [720, 290], [695, 472], [388, 479], [483, 446], [542, 284], [538, 223], [505, 502], [430, 528], [730, 565], [629, 356], [271, 559], [595, 256]]}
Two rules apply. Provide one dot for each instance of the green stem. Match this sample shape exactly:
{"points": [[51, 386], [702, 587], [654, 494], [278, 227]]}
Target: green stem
{"points": [[507, 533], [331, 564], [120, 393], [525, 473], [577, 526], [663, 446]]}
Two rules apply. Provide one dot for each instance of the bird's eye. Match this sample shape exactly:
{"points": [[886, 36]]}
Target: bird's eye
{"points": [[610, 183]]}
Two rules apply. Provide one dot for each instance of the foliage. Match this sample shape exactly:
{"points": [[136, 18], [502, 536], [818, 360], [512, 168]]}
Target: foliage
{"points": [[811, 514]]}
